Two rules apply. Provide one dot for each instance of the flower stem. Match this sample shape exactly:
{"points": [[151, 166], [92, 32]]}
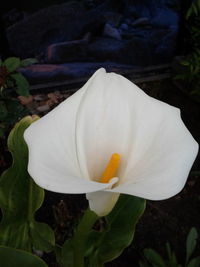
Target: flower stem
{"points": [[80, 236]]}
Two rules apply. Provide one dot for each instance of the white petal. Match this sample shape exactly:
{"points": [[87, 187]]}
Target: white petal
{"points": [[72, 145], [53, 162], [104, 123], [102, 202], [156, 149], [162, 153]]}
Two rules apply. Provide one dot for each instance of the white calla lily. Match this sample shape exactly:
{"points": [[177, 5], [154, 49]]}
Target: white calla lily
{"points": [[70, 147]]}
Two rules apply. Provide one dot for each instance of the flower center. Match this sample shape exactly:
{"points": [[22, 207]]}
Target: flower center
{"points": [[110, 169]]}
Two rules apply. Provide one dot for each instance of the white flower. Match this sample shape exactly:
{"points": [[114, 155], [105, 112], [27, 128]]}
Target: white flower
{"points": [[70, 147]]}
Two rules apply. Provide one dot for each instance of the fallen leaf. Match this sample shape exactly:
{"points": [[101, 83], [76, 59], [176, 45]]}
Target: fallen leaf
{"points": [[25, 100]]}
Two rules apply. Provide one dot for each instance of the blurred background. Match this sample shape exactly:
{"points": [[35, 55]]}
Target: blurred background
{"points": [[74, 38], [154, 43]]}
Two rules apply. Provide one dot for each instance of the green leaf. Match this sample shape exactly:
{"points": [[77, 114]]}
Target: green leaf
{"points": [[109, 244], [195, 10], [188, 14], [154, 258], [15, 110], [67, 254], [171, 256], [42, 236], [191, 243], [12, 63], [20, 197], [73, 251], [21, 83], [28, 61], [14, 258], [194, 262], [173, 260], [185, 63]]}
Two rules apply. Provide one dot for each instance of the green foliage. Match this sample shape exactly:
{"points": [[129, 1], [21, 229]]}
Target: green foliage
{"points": [[153, 259], [20, 198], [10, 112], [22, 84], [14, 258], [194, 9], [66, 257], [11, 64], [191, 243], [11, 80], [118, 235], [193, 23], [73, 251], [28, 61], [107, 244], [190, 70]]}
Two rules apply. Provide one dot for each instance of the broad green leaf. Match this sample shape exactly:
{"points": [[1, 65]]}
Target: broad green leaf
{"points": [[109, 244], [173, 260], [12, 63], [42, 236], [20, 197], [67, 254], [154, 258], [195, 10], [21, 83], [191, 242], [73, 250], [171, 256], [28, 61], [189, 12], [194, 262], [10, 257]]}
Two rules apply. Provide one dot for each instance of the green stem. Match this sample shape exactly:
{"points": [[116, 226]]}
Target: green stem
{"points": [[80, 237]]}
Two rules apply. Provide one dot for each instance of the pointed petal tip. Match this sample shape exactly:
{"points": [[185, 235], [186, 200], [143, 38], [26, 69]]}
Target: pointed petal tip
{"points": [[100, 71]]}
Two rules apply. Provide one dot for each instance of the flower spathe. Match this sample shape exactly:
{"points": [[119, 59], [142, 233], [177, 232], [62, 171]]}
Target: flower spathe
{"points": [[70, 147]]}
